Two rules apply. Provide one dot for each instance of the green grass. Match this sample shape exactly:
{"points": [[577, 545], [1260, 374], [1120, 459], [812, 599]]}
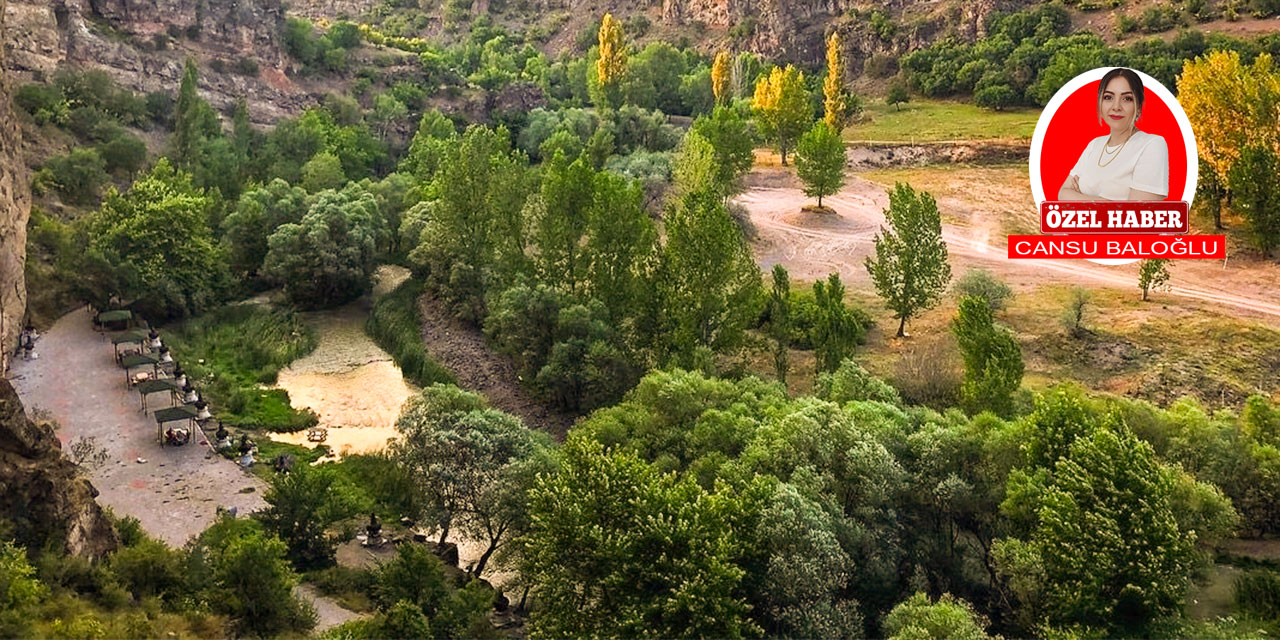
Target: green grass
{"points": [[229, 353], [395, 324], [937, 120]]}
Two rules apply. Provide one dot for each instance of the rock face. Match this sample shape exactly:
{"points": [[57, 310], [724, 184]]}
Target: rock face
{"points": [[45, 497], [15, 205], [144, 43]]}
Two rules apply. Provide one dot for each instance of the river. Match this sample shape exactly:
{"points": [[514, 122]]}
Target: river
{"points": [[351, 383]]}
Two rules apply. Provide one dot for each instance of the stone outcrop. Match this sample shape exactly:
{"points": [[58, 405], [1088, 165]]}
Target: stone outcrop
{"points": [[144, 43], [15, 205], [45, 498]]}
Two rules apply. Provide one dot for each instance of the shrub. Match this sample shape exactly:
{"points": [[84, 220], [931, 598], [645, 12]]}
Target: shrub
{"points": [[851, 382], [983, 284], [79, 175], [396, 325], [1077, 308], [929, 374], [1257, 594], [247, 67]]}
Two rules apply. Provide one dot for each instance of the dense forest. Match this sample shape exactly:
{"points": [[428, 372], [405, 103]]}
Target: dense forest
{"points": [[596, 242]]}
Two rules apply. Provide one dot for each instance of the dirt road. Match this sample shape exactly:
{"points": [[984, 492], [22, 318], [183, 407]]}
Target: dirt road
{"points": [[812, 245]]}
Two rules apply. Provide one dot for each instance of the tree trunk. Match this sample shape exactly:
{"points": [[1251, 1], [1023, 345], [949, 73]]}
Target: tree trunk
{"points": [[782, 151], [484, 558], [444, 530], [902, 328], [1144, 294], [819, 200]]}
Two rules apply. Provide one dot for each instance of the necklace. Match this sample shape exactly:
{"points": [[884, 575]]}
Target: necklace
{"points": [[1112, 158]]}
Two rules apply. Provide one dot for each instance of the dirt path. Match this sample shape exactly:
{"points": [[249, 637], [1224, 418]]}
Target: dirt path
{"points": [[813, 245], [175, 491], [462, 350]]}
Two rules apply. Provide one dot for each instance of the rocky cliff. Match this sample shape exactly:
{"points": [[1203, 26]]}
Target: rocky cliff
{"points": [[144, 43], [45, 498], [15, 204]]}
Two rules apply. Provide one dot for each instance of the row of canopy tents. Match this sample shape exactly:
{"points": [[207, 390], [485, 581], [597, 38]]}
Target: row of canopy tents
{"points": [[137, 349]]}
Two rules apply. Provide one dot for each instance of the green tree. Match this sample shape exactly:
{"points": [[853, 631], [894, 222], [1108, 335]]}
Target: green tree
{"points": [[429, 146], [250, 578], [981, 283], [79, 175], [258, 213], [733, 141], [194, 120], [323, 171], [458, 453], [950, 618], [616, 549], [20, 590], [820, 161], [1255, 192], [910, 268], [992, 358], [836, 331], [304, 503], [623, 243], [782, 107], [780, 321], [1105, 549], [711, 279], [1152, 274], [897, 95], [329, 257], [851, 382], [157, 242], [568, 192]]}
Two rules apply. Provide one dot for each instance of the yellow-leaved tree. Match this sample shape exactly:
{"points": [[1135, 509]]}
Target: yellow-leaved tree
{"points": [[720, 75], [836, 103], [782, 108], [611, 65], [1230, 105]]}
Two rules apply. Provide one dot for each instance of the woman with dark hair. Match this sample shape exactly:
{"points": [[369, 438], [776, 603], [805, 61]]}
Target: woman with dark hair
{"points": [[1126, 164]]}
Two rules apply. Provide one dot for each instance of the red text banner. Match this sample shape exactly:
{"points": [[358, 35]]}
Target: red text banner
{"points": [[1118, 246], [1113, 217]]}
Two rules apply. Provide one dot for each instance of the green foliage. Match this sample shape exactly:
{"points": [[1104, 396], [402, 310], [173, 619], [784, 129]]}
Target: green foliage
{"points": [[733, 139], [79, 175], [124, 154], [992, 359], [257, 215], [820, 161], [195, 122], [897, 95], [396, 325], [836, 330], [710, 279], [851, 382], [429, 145], [1105, 550], [304, 504], [1257, 594], [1152, 274], [323, 171], [1255, 192], [981, 283], [329, 257], [250, 578], [1076, 310], [460, 454], [780, 321], [658, 560], [919, 619], [242, 346], [158, 244], [910, 268]]}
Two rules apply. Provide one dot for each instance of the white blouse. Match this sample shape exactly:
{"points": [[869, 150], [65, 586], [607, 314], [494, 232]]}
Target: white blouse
{"points": [[1142, 163]]}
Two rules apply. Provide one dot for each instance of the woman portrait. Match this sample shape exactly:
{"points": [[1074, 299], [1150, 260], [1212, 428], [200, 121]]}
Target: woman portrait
{"points": [[1127, 163]]}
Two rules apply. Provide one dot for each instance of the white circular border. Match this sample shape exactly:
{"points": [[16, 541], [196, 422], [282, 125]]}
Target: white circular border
{"points": [[1148, 83]]}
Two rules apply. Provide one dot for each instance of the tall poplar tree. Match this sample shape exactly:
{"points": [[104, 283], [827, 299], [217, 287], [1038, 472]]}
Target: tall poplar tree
{"points": [[910, 268], [780, 321], [836, 99], [782, 107], [194, 120], [720, 76], [611, 64]]}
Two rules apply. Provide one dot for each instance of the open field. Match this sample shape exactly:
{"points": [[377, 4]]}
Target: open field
{"points": [[1214, 334], [923, 120]]}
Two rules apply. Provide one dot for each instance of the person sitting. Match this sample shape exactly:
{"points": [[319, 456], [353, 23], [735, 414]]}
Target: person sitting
{"points": [[222, 438], [246, 451], [170, 437]]}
